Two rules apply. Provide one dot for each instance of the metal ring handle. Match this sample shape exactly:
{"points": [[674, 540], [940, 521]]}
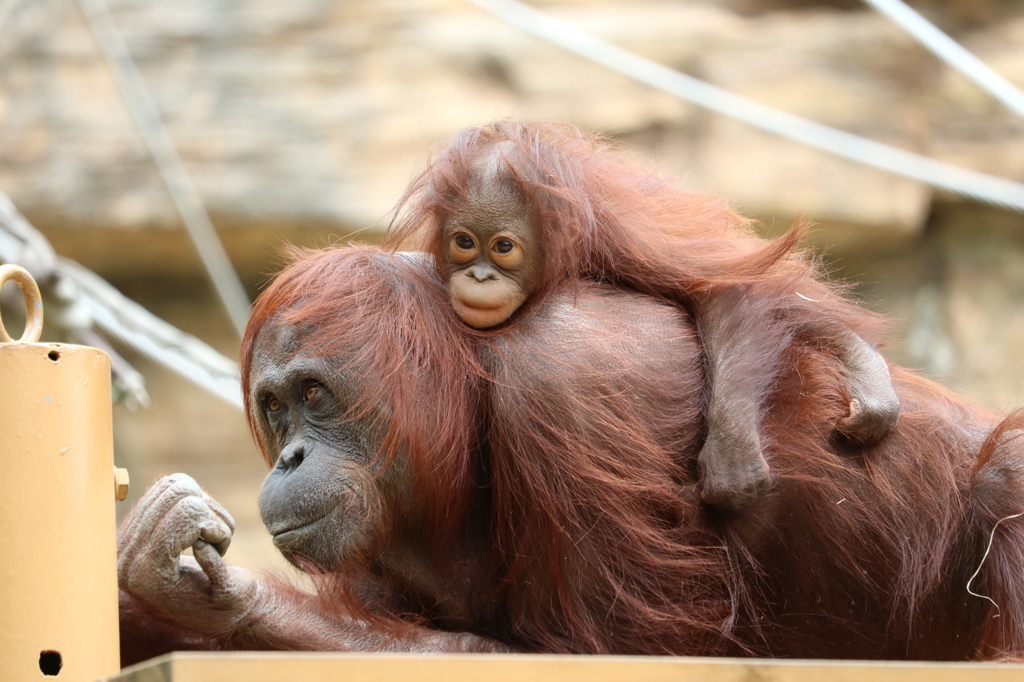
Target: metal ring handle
{"points": [[33, 304]]}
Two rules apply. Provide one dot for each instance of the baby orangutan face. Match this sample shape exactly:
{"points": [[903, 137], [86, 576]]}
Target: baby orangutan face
{"points": [[492, 253]]}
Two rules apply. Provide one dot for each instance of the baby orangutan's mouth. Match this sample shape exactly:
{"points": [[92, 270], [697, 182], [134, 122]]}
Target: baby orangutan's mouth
{"points": [[482, 316]]}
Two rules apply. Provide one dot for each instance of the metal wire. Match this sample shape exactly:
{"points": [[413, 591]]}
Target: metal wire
{"points": [[172, 170], [961, 181], [949, 51]]}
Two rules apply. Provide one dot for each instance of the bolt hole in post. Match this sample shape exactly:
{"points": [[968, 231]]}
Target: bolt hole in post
{"points": [[50, 663], [33, 305], [53, 355]]}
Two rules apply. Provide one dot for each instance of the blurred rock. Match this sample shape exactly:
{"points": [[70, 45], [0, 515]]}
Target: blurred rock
{"points": [[315, 113]]}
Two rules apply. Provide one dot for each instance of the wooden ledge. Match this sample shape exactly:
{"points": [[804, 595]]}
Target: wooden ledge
{"points": [[331, 667]]}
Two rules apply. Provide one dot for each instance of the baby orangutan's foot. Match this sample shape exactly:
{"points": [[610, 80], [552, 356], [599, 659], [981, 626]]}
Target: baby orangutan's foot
{"points": [[734, 473], [874, 407], [869, 420]]}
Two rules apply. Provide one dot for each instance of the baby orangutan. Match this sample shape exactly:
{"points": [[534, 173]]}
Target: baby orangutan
{"points": [[491, 255], [511, 211]]}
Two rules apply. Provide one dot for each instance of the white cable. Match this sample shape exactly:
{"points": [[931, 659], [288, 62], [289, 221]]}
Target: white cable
{"points": [[161, 147], [949, 51], [980, 186]]}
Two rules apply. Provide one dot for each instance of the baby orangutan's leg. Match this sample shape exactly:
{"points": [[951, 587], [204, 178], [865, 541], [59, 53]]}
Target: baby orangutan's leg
{"points": [[743, 345]]}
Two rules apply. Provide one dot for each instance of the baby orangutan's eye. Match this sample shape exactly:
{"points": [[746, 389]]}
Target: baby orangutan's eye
{"points": [[461, 248], [506, 254]]}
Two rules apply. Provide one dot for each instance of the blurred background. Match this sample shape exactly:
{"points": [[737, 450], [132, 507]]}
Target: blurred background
{"points": [[302, 122]]}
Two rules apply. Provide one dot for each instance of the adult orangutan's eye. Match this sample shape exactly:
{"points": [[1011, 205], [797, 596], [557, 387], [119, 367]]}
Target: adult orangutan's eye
{"points": [[271, 404], [312, 392]]}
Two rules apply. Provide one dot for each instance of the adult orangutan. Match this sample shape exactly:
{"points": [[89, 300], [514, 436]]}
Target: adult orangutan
{"points": [[512, 211], [537, 491]]}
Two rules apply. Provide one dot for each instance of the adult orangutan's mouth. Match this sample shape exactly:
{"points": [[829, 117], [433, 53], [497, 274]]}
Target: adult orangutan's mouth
{"points": [[287, 536]]}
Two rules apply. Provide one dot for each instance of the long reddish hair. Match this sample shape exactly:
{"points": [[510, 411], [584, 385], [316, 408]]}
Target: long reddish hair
{"points": [[600, 544]]}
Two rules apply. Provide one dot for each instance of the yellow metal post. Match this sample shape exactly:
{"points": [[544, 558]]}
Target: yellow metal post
{"points": [[58, 576]]}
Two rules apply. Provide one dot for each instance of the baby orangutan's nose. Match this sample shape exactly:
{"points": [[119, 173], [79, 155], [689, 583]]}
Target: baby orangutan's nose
{"points": [[481, 273]]}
